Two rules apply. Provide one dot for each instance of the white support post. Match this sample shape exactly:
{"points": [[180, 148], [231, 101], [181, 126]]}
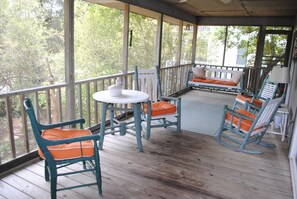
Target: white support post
{"points": [[194, 44], [126, 42], [69, 58], [159, 41], [180, 41]]}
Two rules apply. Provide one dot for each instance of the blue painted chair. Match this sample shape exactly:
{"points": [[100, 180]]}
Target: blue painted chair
{"points": [[159, 111], [63, 147], [267, 91], [241, 127]]}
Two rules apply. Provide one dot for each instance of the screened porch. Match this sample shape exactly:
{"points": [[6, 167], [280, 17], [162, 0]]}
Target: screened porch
{"points": [[247, 36]]}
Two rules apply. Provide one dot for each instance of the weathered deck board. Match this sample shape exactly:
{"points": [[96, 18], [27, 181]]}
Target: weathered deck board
{"points": [[214, 168], [187, 165]]}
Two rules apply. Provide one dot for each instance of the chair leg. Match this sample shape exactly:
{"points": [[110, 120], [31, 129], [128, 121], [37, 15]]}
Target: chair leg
{"points": [[262, 143], [46, 173], [98, 170], [102, 127], [148, 128], [220, 130], [53, 173], [237, 148], [98, 178], [178, 125], [54, 187], [149, 121], [219, 135], [84, 164], [235, 105], [178, 119]]}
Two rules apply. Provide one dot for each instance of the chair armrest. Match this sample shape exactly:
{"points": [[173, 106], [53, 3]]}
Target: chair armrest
{"points": [[94, 137], [234, 113], [246, 93], [176, 100], [61, 124], [249, 105], [170, 98]]}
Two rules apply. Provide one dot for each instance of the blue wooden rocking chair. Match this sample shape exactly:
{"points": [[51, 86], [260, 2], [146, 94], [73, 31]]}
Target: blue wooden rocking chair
{"points": [[63, 147], [267, 91], [159, 111], [241, 127]]}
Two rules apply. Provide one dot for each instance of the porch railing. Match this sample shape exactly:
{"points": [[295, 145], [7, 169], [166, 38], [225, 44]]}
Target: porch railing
{"points": [[16, 137]]}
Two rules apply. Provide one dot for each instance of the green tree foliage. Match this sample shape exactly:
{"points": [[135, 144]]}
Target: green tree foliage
{"points": [[243, 37], [186, 51], [142, 51], [169, 44], [25, 42], [210, 44], [246, 37], [98, 40]]}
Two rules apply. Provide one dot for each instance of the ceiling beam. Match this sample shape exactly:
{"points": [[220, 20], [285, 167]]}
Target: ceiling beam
{"points": [[164, 8], [247, 21]]}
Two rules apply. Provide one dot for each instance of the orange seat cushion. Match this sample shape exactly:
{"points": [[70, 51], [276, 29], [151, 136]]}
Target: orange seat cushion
{"points": [[245, 124], [161, 108], [245, 98], [229, 83], [212, 81], [71, 150], [202, 80]]}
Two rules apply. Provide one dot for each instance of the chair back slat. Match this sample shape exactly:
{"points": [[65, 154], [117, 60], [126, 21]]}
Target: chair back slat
{"points": [[267, 112], [147, 82], [269, 90]]}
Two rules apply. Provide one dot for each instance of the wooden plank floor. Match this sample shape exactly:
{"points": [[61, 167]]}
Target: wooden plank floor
{"points": [[185, 166]]}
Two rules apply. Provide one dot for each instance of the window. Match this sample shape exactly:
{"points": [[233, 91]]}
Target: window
{"points": [[241, 45], [187, 39], [98, 32], [143, 38], [169, 41], [31, 44], [210, 45]]}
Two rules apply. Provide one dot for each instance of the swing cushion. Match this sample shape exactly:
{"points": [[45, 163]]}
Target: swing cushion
{"points": [[161, 108], [71, 150], [245, 98], [213, 81], [245, 124]]}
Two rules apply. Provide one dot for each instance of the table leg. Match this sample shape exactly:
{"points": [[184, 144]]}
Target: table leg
{"points": [[137, 120], [111, 112], [284, 126], [102, 126]]}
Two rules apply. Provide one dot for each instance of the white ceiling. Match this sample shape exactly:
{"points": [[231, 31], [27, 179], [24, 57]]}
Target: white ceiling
{"points": [[257, 8]]}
